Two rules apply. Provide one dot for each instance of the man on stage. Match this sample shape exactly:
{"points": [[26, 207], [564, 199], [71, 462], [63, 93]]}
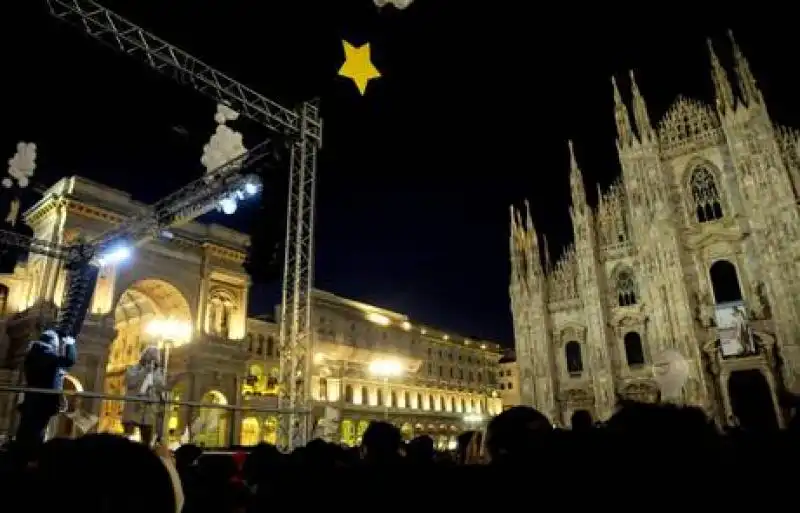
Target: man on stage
{"points": [[46, 364]]}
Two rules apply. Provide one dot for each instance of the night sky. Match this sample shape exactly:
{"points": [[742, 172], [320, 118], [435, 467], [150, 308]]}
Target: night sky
{"points": [[473, 112]]}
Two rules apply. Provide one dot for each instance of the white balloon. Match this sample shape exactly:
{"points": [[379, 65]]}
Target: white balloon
{"points": [[22, 165], [225, 144], [399, 4]]}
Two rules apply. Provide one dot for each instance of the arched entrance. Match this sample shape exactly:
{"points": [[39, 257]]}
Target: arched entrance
{"points": [[142, 302], [751, 401], [251, 432], [269, 433], [4, 293], [725, 282], [210, 428], [581, 420]]}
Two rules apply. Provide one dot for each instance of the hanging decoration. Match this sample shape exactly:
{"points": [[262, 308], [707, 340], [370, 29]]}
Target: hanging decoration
{"points": [[20, 170]]}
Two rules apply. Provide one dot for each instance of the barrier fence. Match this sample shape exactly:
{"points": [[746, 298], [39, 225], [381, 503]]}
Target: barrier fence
{"points": [[210, 424]]}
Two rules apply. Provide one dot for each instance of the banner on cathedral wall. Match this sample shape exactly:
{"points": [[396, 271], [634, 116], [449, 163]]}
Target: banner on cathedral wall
{"points": [[731, 321], [729, 342], [726, 314]]}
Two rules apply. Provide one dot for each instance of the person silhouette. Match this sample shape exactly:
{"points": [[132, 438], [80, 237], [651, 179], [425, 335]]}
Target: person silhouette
{"points": [[45, 366]]}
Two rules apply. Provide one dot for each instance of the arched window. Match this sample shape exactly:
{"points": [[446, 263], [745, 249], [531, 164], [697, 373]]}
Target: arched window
{"points": [[393, 399], [323, 389], [442, 406], [463, 405], [270, 346], [634, 353], [431, 404], [364, 396], [3, 299], [249, 342], [379, 397], [452, 404], [705, 195], [725, 282], [407, 398], [572, 352], [348, 394], [626, 288], [260, 344], [419, 401]]}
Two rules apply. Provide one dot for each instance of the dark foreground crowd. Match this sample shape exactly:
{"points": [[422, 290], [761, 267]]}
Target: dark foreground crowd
{"points": [[646, 457]]}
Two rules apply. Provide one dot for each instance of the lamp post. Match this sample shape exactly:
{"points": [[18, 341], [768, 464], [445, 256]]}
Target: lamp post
{"points": [[386, 369], [170, 333]]}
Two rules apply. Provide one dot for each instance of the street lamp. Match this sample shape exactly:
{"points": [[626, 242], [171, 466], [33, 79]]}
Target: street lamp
{"points": [[386, 369], [171, 333]]}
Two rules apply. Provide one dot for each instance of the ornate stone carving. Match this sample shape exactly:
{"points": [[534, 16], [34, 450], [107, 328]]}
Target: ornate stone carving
{"points": [[576, 397], [641, 391], [761, 307], [707, 311]]}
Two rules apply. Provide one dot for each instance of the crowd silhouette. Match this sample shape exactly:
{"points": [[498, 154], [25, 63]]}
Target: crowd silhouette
{"points": [[646, 456]]}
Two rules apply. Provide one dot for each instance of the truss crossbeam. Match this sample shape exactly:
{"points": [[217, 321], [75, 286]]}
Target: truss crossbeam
{"points": [[41, 247], [190, 201], [115, 31]]}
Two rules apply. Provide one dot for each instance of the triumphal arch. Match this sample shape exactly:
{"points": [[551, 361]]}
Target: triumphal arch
{"points": [[193, 274]]}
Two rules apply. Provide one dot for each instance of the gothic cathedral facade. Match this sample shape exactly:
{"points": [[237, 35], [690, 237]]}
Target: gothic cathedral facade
{"points": [[700, 230]]}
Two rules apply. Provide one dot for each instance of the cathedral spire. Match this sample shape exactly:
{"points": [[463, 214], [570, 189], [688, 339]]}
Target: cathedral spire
{"points": [[722, 86], [640, 115], [747, 82], [576, 182], [533, 258], [514, 244], [548, 266], [529, 218], [625, 134]]}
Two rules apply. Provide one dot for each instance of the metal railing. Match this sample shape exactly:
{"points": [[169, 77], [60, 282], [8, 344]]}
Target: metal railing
{"points": [[213, 424]]}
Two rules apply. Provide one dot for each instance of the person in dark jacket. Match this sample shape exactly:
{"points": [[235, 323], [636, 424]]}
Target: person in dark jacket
{"points": [[45, 366]]}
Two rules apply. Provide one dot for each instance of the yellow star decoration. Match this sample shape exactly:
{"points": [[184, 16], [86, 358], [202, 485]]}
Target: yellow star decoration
{"points": [[357, 66]]}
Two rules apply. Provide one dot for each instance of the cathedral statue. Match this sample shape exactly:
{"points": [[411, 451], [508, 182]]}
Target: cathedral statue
{"points": [[761, 307], [743, 331], [707, 311]]}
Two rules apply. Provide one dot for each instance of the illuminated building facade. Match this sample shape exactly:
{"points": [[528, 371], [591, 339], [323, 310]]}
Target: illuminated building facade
{"points": [[694, 250], [508, 380], [196, 277], [374, 364]]}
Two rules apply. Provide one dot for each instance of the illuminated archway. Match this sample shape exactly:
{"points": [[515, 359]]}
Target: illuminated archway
{"points": [[407, 431], [176, 412], [210, 428], [348, 432], [270, 432], [142, 302], [251, 431], [360, 430], [260, 381]]}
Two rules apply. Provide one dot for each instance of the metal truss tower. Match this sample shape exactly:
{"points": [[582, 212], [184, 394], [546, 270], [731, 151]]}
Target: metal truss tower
{"points": [[300, 129]]}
